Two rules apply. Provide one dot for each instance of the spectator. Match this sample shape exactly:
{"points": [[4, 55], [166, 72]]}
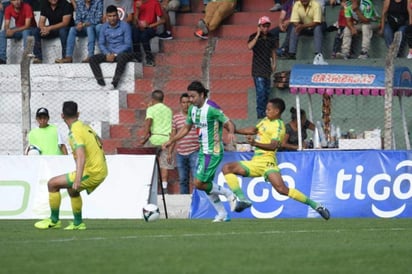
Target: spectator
{"points": [[157, 129], [291, 140], [115, 42], [395, 17], [284, 26], [277, 6], [269, 134], [408, 32], [59, 14], [215, 13], [340, 26], [263, 45], [186, 148], [91, 170], [3, 5], [209, 125], [148, 16], [25, 25], [88, 16], [359, 17], [172, 5], [46, 138], [307, 19], [124, 7]]}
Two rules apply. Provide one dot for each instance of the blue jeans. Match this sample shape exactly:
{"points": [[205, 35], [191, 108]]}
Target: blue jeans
{"points": [[388, 34], [316, 32], [19, 35], [186, 167], [91, 34], [61, 33], [262, 85], [5, 4]]}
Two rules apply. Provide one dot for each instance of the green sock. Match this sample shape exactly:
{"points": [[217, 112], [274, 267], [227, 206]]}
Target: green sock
{"points": [[77, 209], [54, 202]]}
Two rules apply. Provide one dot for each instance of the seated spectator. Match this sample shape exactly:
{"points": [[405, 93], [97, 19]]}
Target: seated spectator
{"points": [[172, 5], [3, 5], [340, 26], [25, 25], [115, 41], [359, 18], [124, 7], [88, 16], [395, 17], [59, 14], [277, 6], [215, 13], [291, 139], [307, 19], [284, 26], [148, 16]]}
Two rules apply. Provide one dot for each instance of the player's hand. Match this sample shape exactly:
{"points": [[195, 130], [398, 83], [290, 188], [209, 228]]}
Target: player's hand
{"points": [[76, 185], [250, 139]]}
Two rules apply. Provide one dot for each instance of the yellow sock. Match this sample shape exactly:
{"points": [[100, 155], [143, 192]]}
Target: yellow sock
{"points": [[77, 204], [233, 183], [299, 196], [54, 202]]}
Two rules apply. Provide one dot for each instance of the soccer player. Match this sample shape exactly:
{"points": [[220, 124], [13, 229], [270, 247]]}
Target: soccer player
{"points": [[269, 134], [209, 121], [91, 170]]}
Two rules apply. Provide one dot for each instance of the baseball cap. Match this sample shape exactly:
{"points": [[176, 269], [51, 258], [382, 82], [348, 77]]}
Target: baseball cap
{"points": [[264, 20], [42, 111]]}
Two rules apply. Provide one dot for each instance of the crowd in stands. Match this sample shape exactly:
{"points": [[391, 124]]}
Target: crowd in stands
{"points": [[80, 18]]}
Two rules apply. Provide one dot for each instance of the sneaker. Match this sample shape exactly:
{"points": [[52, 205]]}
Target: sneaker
{"points": [[71, 226], [199, 33], [47, 223], [318, 60], [64, 60], [323, 211], [276, 7], [101, 82], [37, 61], [86, 60], [242, 205], [166, 35], [232, 202], [280, 52], [221, 218], [290, 56], [202, 26], [340, 55], [363, 55], [409, 55]]}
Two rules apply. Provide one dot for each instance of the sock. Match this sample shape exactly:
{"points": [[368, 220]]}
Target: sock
{"points": [[54, 202], [217, 204], [164, 185], [300, 197], [233, 183], [77, 209], [217, 189]]}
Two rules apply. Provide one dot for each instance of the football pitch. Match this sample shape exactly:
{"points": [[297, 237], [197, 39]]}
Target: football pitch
{"points": [[199, 246]]}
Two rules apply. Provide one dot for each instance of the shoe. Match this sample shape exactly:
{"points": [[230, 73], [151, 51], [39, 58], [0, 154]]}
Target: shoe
{"points": [[232, 202], [276, 7], [199, 33], [37, 61], [280, 52], [318, 60], [290, 56], [115, 84], [150, 63], [203, 27], [166, 35], [409, 55], [340, 55], [101, 82], [242, 205], [64, 60], [86, 60], [2, 62], [221, 218], [323, 211], [47, 223], [71, 226], [363, 55], [184, 9]]}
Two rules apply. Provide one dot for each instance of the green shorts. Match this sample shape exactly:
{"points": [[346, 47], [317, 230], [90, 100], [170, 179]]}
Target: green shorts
{"points": [[259, 167], [206, 168]]}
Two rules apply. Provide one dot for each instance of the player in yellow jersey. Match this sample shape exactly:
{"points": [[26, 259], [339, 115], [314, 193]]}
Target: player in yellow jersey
{"points": [[91, 170], [269, 134]]}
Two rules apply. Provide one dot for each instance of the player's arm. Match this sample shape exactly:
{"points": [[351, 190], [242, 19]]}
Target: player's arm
{"points": [[246, 131], [80, 162], [274, 144], [179, 135]]}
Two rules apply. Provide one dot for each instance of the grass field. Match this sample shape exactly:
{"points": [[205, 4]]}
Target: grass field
{"points": [[197, 246]]}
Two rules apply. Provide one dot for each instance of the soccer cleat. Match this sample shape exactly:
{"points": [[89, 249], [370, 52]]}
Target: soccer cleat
{"points": [[199, 33], [71, 226], [47, 223], [232, 202], [221, 218], [242, 205], [323, 211]]}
